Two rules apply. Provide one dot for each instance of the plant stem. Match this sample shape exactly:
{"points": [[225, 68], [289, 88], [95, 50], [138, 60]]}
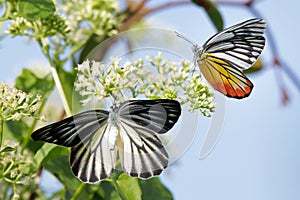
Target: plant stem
{"points": [[78, 191], [61, 91], [45, 50]]}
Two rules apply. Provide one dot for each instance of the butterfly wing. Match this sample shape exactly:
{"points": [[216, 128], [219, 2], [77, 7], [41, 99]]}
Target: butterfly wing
{"points": [[72, 130], [88, 134], [142, 154], [225, 78], [225, 54], [239, 45], [93, 160]]}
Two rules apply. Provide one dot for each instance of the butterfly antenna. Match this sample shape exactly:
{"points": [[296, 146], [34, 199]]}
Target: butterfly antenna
{"points": [[195, 49], [186, 39]]}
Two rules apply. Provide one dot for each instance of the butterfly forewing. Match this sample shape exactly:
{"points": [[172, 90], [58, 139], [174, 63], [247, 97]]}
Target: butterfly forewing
{"points": [[158, 115], [239, 45], [72, 130]]}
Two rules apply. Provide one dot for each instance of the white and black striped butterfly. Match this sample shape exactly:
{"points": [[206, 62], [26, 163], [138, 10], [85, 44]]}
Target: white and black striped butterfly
{"points": [[127, 132], [223, 57]]}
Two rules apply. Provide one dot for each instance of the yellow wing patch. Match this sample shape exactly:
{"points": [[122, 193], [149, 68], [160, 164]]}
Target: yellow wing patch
{"points": [[224, 77]]}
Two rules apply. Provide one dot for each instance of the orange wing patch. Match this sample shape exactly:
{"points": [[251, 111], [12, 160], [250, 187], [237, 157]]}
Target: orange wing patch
{"points": [[224, 77]]}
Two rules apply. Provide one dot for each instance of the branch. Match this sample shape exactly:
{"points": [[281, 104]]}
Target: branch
{"points": [[235, 3], [277, 61], [139, 7], [139, 13]]}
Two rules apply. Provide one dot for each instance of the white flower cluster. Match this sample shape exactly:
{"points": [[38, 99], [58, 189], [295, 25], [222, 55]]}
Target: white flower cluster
{"points": [[154, 79], [71, 26], [86, 17], [97, 79], [14, 103], [16, 167]]}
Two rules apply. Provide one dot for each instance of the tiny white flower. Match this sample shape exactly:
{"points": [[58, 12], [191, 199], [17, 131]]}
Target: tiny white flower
{"points": [[43, 118], [85, 66], [16, 116]]}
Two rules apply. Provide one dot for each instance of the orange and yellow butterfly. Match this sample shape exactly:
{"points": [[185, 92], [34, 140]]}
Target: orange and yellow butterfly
{"points": [[223, 57]]}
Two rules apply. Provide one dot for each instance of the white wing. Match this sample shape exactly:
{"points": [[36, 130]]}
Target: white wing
{"points": [[92, 158], [239, 45], [141, 152]]}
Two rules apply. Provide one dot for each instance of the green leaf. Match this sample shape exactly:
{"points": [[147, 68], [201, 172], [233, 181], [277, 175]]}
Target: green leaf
{"points": [[28, 82], [212, 11], [154, 189], [110, 191], [7, 149], [90, 45], [16, 129], [59, 194], [256, 67], [216, 17], [48, 152], [128, 188], [34, 9], [60, 168]]}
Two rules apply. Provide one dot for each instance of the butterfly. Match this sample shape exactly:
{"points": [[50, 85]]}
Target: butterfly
{"points": [[128, 132], [223, 57]]}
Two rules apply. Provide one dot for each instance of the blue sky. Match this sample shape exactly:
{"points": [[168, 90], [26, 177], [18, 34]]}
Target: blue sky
{"points": [[257, 156]]}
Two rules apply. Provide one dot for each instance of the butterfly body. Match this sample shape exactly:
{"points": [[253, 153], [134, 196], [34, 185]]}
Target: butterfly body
{"points": [[113, 122], [128, 132], [223, 57]]}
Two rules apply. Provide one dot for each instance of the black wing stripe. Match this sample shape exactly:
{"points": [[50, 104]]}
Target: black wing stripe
{"points": [[142, 161], [94, 160], [159, 115], [231, 72], [72, 130], [252, 26], [247, 37], [143, 154], [228, 68]]}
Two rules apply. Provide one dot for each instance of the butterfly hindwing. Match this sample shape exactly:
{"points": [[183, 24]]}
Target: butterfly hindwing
{"points": [[225, 78], [145, 160], [94, 160], [142, 153]]}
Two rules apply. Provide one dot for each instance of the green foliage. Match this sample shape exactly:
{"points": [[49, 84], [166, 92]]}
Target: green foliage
{"points": [[28, 82], [256, 67], [154, 189], [48, 152], [128, 187], [34, 9], [60, 168], [17, 173], [212, 12]]}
